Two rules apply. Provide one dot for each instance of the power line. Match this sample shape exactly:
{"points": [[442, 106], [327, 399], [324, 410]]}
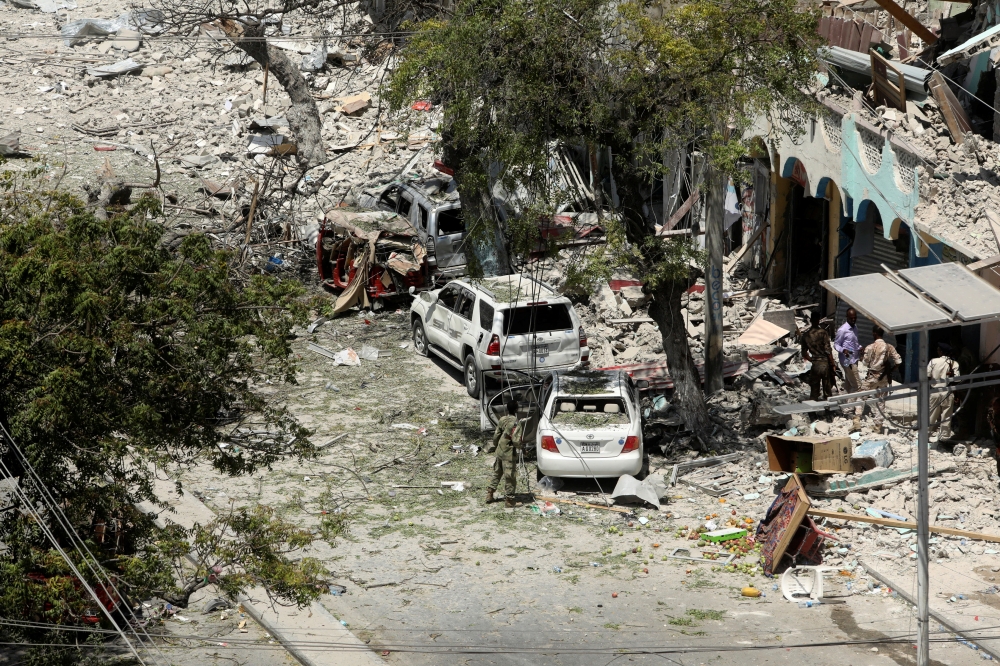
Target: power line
{"points": [[22, 496], [271, 39], [79, 545]]}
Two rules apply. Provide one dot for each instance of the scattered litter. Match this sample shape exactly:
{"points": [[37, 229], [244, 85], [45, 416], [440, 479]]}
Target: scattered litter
{"points": [[404, 426], [337, 590], [368, 353], [442, 463]]}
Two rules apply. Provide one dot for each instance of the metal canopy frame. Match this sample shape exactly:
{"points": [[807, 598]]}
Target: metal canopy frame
{"points": [[918, 300]]}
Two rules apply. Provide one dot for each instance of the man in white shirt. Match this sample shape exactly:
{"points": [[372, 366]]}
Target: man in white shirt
{"points": [[940, 368]]}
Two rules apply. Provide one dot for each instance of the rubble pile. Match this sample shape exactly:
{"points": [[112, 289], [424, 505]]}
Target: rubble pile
{"points": [[115, 92]]}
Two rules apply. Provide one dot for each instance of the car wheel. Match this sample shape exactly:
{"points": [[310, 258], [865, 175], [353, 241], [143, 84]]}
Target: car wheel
{"points": [[473, 378], [419, 337]]}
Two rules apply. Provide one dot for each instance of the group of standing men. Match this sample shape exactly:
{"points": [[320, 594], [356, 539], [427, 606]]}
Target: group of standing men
{"points": [[881, 360]]}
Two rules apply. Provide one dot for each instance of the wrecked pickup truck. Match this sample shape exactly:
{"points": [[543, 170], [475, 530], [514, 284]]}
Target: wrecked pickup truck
{"points": [[367, 258]]}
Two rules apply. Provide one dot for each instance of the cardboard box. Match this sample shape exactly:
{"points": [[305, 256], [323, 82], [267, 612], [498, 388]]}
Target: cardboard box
{"points": [[820, 455]]}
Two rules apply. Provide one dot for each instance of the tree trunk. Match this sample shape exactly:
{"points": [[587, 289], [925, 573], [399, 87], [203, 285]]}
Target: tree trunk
{"points": [[480, 219], [303, 115], [689, 401], [665, 309]]}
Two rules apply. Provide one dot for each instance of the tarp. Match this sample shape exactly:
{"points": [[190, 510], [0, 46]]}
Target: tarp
{"points": [[630, 490]]}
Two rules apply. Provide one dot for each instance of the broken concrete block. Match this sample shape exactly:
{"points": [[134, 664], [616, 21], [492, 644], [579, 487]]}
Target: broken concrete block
{"points": [[316, 60], [629, 354], [607, 304], [634, 296], [354, 103], [872, 454], [156, 70], [199, 161], [10, 144], [783, 318], [127, 40]]}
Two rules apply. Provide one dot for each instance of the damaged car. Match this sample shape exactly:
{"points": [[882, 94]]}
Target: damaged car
{"points": [[492, 327], [590, 425]]}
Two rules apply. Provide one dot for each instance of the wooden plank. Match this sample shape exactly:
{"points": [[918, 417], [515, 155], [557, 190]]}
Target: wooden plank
{"points": [[866, 37], [951, 531], [586, 505], [747, 245], [985, 263], [954, 114], [853, 35], [836, 30], [824, 28], [680, 213], [908, 20], [802, 506], [887, 91]]}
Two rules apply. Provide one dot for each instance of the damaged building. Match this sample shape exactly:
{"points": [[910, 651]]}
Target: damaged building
{"points": [[892, 166]]}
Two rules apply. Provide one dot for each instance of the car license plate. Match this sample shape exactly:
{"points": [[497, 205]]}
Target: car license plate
{"points": [[590, 448], [541, 349]]}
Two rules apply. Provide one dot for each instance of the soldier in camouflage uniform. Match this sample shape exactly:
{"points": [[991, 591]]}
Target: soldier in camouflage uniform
{"points": [[505, 439], [816, 348]]}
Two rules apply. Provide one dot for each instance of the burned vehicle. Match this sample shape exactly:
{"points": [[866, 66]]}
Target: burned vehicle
{"points": [[367, 258]]}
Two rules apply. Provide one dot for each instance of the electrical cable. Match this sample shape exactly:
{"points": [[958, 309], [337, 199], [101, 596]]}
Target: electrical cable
{"points": [[943, 637], [79, 544], [188, 38]]}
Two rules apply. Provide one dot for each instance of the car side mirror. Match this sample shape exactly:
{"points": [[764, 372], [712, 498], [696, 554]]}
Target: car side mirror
{"points": [[412, 290], [641, 384]]}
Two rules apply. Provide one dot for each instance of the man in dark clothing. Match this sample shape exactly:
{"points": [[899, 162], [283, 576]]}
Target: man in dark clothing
{"points": [[816, 348]]}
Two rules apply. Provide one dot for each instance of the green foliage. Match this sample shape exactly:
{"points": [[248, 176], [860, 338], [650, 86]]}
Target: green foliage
{"points": [[638, 78], [118, 356]]}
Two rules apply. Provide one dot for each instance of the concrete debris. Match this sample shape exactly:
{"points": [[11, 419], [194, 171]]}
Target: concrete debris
{"points": [[872, 454]]}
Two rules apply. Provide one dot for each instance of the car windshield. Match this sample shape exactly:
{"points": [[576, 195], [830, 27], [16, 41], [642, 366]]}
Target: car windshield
{"points": [[589, 411], [536, 319]]}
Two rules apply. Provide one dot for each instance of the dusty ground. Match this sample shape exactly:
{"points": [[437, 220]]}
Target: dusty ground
{"points": [[431, 570]]}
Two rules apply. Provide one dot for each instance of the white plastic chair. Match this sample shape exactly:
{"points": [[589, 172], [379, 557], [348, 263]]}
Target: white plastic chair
{"points": [[799, 583]]}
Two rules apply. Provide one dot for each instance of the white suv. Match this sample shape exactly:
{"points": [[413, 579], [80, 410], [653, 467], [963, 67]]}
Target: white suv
{"points": [[488, 326]]}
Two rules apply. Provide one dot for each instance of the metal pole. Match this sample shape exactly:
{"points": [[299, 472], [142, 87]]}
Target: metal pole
{"points": [[713, 288], [923, 511]]}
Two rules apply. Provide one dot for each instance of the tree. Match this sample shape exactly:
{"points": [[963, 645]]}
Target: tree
{"points": [[117, 357], [633, 78]]}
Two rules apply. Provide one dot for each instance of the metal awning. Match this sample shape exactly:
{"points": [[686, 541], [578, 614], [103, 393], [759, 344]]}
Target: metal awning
{"points": [[956, 289], [882, 300], [915, 299]]}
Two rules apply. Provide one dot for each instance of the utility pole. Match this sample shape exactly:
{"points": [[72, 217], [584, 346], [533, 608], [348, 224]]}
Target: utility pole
{"points": [[923, 510], [714, 214]]}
